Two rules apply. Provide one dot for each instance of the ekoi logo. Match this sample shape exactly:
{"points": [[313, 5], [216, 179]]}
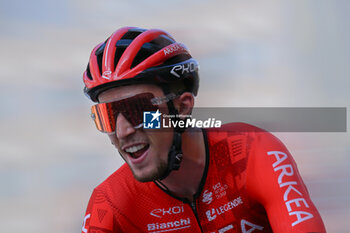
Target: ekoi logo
{"points": [[159, 213], [180, 70], [107, 74]]}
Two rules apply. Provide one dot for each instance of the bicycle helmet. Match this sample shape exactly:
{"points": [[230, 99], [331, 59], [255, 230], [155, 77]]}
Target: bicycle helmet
{"points": [[134, 55]]}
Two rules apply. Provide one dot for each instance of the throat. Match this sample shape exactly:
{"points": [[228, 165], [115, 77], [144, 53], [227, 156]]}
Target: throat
{"points": [[188, 182], [189, 196], [185, 183]]}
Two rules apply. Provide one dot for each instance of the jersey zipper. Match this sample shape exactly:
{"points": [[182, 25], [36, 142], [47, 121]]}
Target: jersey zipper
{"points": [[194, 209], [192, 204]]}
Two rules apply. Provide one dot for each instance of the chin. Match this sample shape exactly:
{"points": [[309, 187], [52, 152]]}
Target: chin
{"points": [[152, 175]]}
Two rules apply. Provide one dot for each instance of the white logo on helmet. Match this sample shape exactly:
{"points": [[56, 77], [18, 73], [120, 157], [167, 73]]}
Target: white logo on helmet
{"points": [[107, 74], [172, 48], [179, 70]]}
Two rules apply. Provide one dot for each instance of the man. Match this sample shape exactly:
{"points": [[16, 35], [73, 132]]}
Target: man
{"points": [[237, 178]]}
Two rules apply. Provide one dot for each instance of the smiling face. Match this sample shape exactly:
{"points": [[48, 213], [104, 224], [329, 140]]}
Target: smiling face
{"points": [[145, 151]]}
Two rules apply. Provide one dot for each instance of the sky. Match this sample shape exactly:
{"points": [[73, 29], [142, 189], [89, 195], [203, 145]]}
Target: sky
{"points": [[251, 54]]}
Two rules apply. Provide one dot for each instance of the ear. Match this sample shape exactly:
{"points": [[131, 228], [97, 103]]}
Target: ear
{"points": [[184, 103]]}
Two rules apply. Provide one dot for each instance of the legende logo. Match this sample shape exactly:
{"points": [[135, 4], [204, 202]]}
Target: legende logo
{"points": [[151, 120]]}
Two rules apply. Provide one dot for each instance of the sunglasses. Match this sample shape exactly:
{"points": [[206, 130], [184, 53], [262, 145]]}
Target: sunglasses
{"points": [[105, 114]]}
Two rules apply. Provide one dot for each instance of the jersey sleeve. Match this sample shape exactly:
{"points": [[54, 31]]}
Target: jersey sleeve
{"points": [[274, 181], [99, 216]]}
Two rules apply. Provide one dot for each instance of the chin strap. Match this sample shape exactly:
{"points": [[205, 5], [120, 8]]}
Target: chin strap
{"points": [[175, 153], [174, 156]]}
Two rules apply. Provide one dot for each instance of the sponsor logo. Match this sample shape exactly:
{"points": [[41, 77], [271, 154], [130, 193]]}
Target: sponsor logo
{"points": [[211, 214], [159, 213], [286, 170], [101, 214], [172, 48], [151, 120], [169, 226], [85, 219], [179, 70], [252, 226], [227, 228], [220, 190], [207, 197], [107, 74]]}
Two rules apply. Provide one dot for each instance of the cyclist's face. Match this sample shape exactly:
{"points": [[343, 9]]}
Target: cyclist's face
{"points": [[145, 151]]}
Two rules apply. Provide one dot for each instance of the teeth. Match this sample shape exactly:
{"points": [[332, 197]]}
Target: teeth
{"points": [[133, 149]]}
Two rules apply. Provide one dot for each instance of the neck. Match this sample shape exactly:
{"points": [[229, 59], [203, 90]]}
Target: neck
{"points": [[185, 182]]}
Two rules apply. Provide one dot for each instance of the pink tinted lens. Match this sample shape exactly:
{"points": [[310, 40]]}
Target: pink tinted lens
{"points": [[132, 108]]}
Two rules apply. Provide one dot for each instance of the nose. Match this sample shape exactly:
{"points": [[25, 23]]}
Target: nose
{"points": [[124, 127]]}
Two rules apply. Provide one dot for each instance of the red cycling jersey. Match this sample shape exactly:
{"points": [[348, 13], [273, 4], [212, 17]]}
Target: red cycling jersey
{"points": [[250, 184]]}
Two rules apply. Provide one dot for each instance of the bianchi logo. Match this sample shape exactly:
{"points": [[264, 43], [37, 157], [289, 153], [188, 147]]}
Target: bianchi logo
{"points": [[207, 197], [169, 226]]}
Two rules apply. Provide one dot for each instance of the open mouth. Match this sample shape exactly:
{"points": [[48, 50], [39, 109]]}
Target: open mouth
{"points": [[137, 151]]}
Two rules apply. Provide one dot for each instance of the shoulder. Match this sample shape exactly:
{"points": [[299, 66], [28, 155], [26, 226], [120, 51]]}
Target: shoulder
{"points": [[240, 145], [237, 127], [250, 147], [117, 179], [257, 143], [120, 185], [121, 191], [112, 203], [241, 127], [235, 130]]}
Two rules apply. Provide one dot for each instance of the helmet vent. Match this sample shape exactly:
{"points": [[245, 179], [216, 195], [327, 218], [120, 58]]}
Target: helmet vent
{"points": [[163, 41], [118, 53], [99, 60], [88, 73], [140, 56], [131, 34], [176, 59]]}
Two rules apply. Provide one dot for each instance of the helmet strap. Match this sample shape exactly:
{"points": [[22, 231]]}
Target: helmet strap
{"points": [[174, 156], [175, 153]]}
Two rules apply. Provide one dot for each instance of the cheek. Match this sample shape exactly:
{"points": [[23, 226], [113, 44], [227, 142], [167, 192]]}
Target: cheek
{"points": [[113, 139], [162, 141]]}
